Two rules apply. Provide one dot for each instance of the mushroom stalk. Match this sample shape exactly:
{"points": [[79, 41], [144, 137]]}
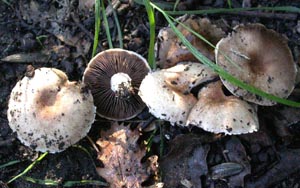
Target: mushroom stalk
{"points": [[120, 83]]}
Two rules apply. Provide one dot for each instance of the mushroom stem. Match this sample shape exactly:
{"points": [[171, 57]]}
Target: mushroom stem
{"points": [[120, 83]]}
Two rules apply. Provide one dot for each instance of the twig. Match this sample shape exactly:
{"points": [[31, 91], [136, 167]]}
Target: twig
{"points": [[269, 15], [93, 144]]}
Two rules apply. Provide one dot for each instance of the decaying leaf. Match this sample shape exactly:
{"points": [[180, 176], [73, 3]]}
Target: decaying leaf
{"points": [[186, 162], [121, 156]]}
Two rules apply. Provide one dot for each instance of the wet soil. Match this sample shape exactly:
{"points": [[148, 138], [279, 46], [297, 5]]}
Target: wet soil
{"points": [[59, 33]]}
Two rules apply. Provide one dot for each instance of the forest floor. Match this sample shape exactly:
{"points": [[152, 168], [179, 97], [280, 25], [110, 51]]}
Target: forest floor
{"points": [[60, 34]]}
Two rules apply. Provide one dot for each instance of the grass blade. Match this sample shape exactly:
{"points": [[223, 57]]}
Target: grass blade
{"points": [[97, 27], [9, 163], [106, 26], [50, 182], [175, 5], [226, 10], [29, 167], [151, 18], [207, 42], [120, 35], [84, 182], [229, 3], [219, 70], [41, 182]]}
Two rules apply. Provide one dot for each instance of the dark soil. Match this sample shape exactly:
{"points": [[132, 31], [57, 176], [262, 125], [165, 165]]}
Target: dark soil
{"points": [[59, 33]]}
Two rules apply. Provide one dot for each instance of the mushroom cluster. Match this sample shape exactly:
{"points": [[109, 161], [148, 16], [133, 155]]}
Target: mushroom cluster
{"points": [[252, 53], [48, 112], [167, 92]]}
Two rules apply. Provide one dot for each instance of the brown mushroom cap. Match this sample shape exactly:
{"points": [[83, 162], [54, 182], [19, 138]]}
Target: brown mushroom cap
{"points": [[169, 48], [217, 113], [114, 77], [48, 112], [264, 60]]}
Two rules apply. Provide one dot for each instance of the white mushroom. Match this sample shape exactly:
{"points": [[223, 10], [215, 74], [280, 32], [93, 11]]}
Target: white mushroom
{"points": [[167, 92], [48, 112], [186, 75], [217, 113], [163, 102]]}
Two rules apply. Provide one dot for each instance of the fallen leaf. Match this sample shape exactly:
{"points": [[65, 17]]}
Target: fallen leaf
{"points": [[121, 156]]}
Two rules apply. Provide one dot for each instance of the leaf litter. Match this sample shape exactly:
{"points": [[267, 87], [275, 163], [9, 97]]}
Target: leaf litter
{"points": [[122, 158]]}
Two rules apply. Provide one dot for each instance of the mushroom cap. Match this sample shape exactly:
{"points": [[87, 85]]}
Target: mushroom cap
{"points": [[98, 77], [264, 60], [163, 102], [169, 48], [48, 112], [186, 75], [217, 113]]}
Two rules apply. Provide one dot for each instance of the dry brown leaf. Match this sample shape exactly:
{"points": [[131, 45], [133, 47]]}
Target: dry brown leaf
{"points": [[121, 156]]}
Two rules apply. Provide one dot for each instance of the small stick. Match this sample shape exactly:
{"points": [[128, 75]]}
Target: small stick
{"points": [[269, 15]]}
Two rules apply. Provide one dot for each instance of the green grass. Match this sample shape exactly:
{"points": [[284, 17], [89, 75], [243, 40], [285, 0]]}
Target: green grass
{"points": [[6, 2], [97, 26], [10, 163], [29, 167], [120, 35], [106, 26], [229, 3], [50, 182], [227, 10], [151, 18]]}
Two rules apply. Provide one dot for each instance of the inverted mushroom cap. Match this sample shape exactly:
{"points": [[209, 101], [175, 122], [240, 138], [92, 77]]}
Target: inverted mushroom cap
{"points": [[164, 102], [262, 58], [48, 112], [169, 48], [217, 113], [114, 77]]}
